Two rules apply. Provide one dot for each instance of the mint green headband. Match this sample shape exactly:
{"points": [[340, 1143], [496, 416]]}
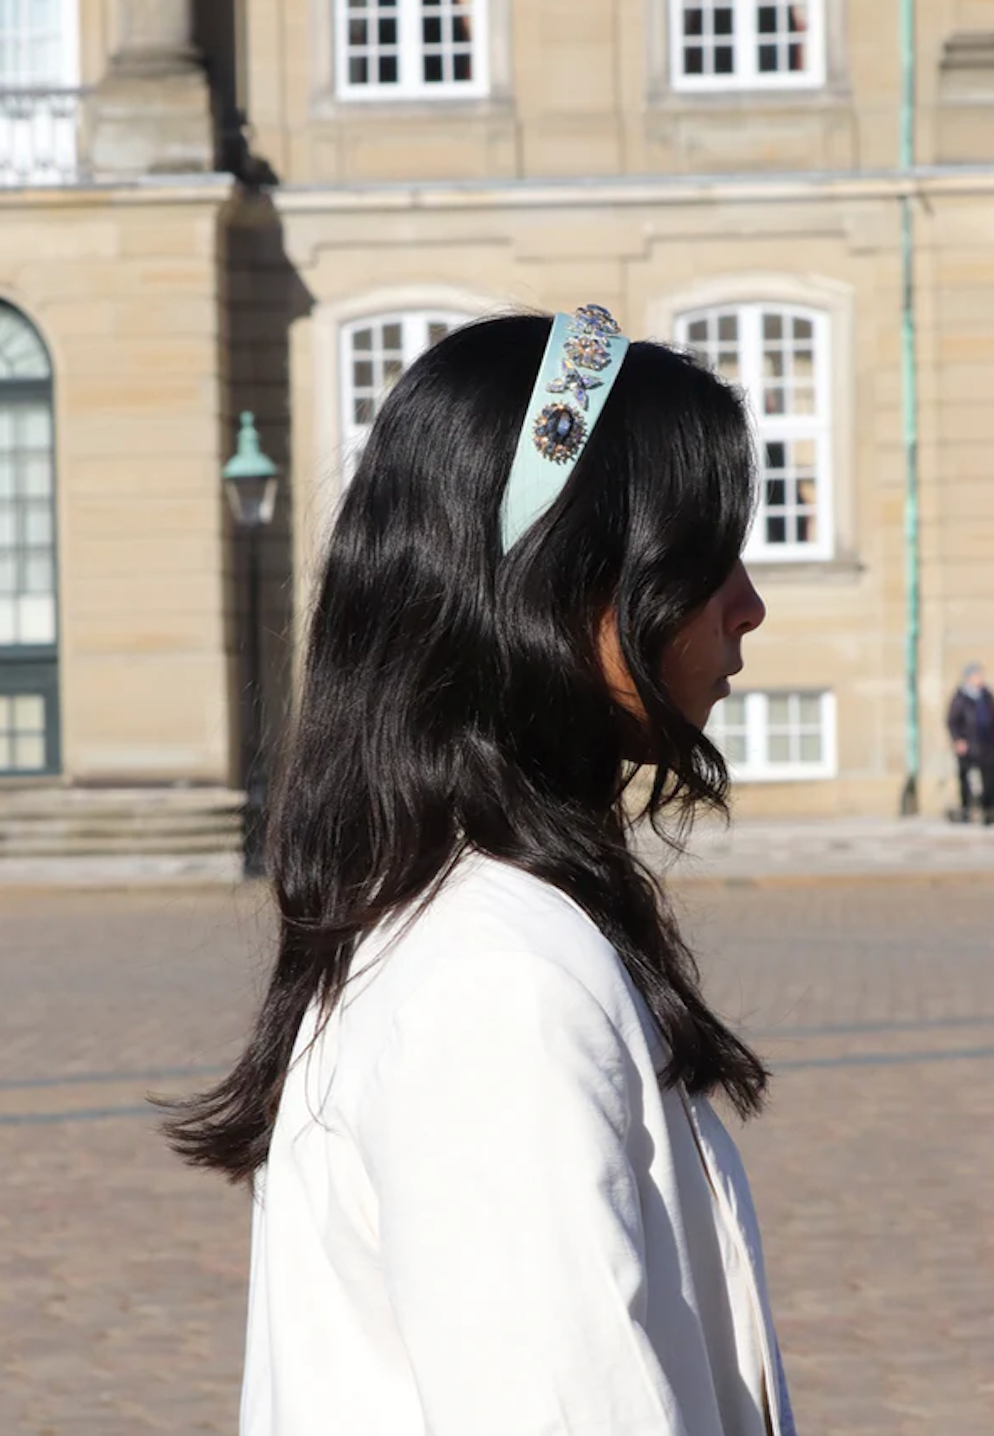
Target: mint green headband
{"points": [[582, 359]]}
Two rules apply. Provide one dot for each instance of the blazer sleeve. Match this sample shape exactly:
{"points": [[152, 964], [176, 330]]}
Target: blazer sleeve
{"points": [[956, 718], [495, 1133]]}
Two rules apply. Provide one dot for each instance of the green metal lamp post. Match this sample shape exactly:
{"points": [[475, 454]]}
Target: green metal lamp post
{"points": [[250, 481]]}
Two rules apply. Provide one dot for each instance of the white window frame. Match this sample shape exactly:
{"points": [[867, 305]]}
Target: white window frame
{"points": [[774, 428], [40, 112], [410, 84], [746, 74], [757, 767], [415, 329]]}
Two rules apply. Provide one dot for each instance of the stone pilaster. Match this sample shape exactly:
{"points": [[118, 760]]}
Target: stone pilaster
{"points": [[965, 123], [151, 113]]}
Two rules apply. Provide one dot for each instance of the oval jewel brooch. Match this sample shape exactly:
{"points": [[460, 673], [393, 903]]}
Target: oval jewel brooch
{"points": [[559, 432]]}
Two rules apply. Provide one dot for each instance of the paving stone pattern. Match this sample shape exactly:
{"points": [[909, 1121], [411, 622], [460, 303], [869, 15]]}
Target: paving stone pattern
{"points": [[122, 1274]]}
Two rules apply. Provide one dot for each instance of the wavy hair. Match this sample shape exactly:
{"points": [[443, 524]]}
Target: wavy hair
{"points": [[453, 700]]}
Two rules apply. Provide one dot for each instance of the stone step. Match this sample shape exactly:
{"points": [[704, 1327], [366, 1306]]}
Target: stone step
{"points": [[69, 822], [155, 845]]}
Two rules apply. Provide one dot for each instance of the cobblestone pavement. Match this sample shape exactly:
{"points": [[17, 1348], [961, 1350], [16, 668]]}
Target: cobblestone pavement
{"points": [[122, 1274]]}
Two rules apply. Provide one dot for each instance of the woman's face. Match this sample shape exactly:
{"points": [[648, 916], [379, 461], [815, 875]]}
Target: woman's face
{"points": [[700, 659]]}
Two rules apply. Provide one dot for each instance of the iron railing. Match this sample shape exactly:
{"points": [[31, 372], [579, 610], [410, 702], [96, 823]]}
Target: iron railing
{"points": [[40, 136]]}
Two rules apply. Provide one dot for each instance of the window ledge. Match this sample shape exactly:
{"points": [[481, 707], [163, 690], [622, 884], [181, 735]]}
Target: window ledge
{"points": [[387, 109], [824, 98], [796, 774], [829, 570]]}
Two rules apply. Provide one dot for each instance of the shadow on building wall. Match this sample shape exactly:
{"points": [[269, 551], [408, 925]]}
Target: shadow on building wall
{"points": [[262, 296]]}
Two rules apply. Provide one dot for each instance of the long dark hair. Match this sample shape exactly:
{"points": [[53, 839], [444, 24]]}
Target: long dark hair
{"points": [[452, 698]]}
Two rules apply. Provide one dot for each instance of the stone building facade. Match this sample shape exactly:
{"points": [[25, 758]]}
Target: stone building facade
{"points": [[277, 206]]}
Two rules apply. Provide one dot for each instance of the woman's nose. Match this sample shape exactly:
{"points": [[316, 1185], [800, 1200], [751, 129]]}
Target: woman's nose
{"points": [[749, 608]]}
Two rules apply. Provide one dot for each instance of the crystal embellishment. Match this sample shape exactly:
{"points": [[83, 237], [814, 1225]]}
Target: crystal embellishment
{"points": [[587, 352], [559, 432], [573, 382], [595, 319]]}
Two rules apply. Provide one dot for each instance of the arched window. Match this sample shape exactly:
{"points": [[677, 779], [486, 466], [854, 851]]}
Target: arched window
{"points": [[747, 44], [28, 620], [779, 355], [374, 353]]}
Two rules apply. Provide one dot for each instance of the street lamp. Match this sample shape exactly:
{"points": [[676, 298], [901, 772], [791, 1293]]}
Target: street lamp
{"points": [[250, 481]]}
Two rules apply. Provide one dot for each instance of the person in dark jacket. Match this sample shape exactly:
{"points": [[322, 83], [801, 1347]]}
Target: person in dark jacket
{"points": [[971, 727]]}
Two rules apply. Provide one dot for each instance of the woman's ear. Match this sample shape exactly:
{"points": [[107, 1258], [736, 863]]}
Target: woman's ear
{"points": [[614, 668]]}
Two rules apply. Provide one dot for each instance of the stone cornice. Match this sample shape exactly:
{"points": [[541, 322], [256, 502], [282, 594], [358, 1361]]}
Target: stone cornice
{"points": [[631, 191], [208, 189]]}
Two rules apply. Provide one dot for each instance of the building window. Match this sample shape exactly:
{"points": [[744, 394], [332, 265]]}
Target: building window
{"points": [[39, 96], [374, 354], [779, 356], [747, 44], [28, 617], [406, 49], [776, 737]]}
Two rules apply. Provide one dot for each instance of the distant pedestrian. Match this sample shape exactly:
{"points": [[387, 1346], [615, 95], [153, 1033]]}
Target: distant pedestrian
{"points": [[971, 727], [492, 1196]]}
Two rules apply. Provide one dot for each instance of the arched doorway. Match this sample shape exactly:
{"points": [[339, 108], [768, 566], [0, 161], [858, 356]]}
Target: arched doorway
{"points": [[29, 652]]}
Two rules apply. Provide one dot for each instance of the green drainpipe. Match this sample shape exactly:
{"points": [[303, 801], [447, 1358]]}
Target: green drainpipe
{"points": [[912, 539]]}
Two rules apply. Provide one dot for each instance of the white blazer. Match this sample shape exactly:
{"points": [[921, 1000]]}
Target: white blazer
{"points": [[481, 1216]]}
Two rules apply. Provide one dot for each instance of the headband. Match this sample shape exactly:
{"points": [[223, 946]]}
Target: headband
{"points": [[582, 360]]}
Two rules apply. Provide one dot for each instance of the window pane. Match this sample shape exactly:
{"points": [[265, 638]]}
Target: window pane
{"points": [[735, 748], [362, 339], [776, 530], [462, 67], [437, 330], [733, 711], [728, 328], [362, 374], [29, 754], [392, 370], [693, 62], [363, 411], [36, 620], [810, 748], [431, 29], [778, 710], [392, 336], [36, 475], [433, 69], [358, 70], [724, 60], [39, 575], [388, 69], [357, 32], [778, 748], [387, 32], [693, 21], [810, 710], [697, 331], [772, 326], [38, 525], [28, 712]]}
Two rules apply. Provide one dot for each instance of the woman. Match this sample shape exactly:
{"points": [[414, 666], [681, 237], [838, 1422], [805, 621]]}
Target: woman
{"points": [[492, 1198]]}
